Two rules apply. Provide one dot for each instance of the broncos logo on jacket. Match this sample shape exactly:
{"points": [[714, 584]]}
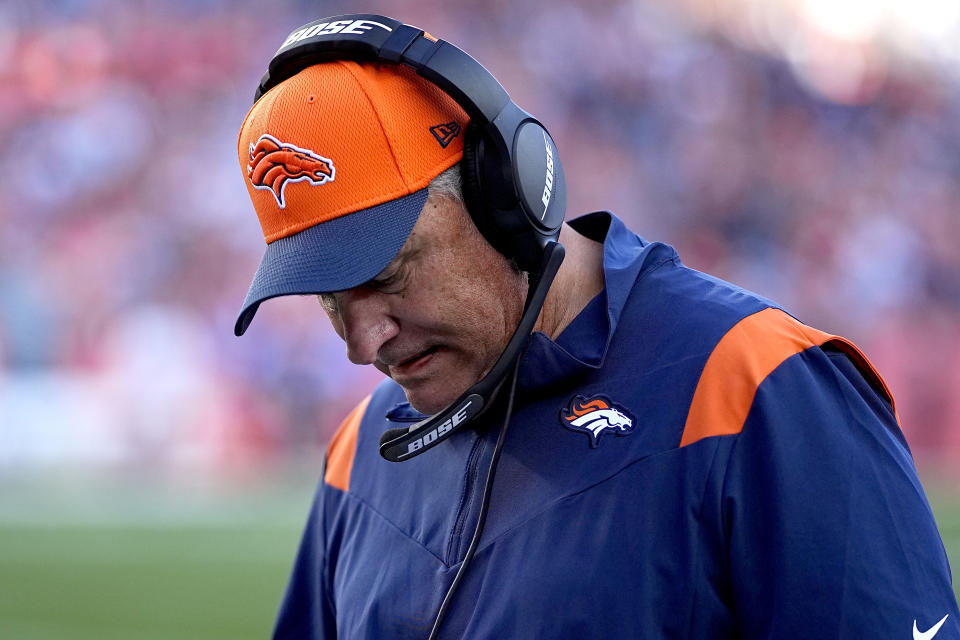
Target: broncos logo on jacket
{"points": [[274, 165], [596, 415]]}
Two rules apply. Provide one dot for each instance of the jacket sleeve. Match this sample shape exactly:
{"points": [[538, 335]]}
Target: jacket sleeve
{"points": [[829, 532], [307, 611]]}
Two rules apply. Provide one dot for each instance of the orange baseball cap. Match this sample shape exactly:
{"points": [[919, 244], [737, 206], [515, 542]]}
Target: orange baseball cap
{"points": [[337, 160]]}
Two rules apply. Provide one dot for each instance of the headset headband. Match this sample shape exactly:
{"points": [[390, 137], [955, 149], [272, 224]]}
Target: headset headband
{"points": [[373, 37]]}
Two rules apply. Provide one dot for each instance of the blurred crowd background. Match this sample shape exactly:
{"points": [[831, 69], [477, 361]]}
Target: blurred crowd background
{"points": [[808, 153]]}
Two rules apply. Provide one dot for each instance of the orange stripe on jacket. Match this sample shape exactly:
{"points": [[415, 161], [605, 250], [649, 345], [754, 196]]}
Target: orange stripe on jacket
{"points": [[342, 448], [742, 360]]}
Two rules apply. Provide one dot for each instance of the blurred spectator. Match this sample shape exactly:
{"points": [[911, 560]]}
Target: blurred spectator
{"points": [[126, 237]]}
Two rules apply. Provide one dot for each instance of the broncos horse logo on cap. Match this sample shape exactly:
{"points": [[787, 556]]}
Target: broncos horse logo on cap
{"points": [[596, 415], [274, 165]]}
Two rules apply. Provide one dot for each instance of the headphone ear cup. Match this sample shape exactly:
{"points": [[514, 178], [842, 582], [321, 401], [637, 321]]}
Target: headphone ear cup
{"points": [[481, 172], [495, 202], [471, 179]]}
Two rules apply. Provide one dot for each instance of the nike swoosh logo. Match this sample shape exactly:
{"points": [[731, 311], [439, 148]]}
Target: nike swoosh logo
{"points": [[929, 633]]}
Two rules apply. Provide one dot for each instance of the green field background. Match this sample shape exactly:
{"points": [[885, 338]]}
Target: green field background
{"points": [[102, 558], [96, 559]]}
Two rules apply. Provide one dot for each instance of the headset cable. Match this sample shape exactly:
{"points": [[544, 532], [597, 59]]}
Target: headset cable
{"points": [[484, 506]]}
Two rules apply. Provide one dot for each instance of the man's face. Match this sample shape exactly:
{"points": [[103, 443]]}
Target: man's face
{"points": [[438, 316]]}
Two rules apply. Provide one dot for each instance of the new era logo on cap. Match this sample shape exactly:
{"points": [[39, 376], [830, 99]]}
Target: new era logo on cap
{"points": [[274, 164], [445, 133]]}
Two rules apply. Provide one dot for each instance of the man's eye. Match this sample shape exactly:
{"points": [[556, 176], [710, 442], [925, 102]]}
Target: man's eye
{"points": [[390, 283]]}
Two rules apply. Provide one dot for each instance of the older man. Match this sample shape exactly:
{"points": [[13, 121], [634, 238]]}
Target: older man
{"points": [[663, 455]]}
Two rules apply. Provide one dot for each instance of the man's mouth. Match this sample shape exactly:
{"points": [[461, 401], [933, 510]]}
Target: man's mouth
{"points": [[411, 365]]}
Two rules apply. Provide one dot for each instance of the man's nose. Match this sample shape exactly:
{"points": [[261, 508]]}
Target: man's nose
{"points": [[366, 323]]}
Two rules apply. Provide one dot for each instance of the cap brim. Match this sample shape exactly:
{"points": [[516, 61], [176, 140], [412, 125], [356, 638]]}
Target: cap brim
{"points": [[333, 256]]}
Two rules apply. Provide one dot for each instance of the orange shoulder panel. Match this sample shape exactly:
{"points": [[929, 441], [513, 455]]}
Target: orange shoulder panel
{"points": [[342, 448], [742, 360]]}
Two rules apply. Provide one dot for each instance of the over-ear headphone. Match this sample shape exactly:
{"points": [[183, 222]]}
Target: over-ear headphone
{"points": [[513, 183]]}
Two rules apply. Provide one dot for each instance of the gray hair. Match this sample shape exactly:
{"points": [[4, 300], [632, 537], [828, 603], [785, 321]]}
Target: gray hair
{"points": [[447, 185]]}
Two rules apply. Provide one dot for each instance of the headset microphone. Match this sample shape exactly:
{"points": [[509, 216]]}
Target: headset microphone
{"points": [[397, 445]]}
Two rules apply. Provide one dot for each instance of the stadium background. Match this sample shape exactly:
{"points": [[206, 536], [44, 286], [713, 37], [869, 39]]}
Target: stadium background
{"points": [[155, 470]]}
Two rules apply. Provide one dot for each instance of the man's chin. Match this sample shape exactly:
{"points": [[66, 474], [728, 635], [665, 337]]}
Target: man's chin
{"points": [[431, 397], [437, 386], [426, 403]]}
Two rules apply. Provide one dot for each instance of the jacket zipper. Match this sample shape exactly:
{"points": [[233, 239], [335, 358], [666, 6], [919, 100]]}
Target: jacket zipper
{"points": [[454, 552]]}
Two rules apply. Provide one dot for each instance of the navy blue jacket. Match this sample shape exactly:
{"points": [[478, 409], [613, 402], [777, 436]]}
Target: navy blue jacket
{"points": [[686, 460]]}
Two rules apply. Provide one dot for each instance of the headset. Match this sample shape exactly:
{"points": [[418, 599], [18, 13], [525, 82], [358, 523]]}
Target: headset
{"points": [[513, 183]]}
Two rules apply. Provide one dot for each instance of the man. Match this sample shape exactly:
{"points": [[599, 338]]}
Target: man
{"points": [[667, 455]]}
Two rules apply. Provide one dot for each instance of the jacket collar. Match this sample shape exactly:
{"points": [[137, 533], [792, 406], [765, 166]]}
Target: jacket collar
{"points": [[583, 345]]}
